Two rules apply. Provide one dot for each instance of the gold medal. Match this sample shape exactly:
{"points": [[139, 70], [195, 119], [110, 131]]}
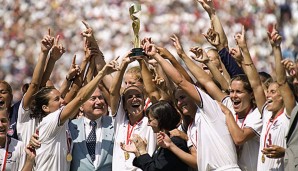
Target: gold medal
{"points": [[68, 157], [126, 155], [263, 158]]}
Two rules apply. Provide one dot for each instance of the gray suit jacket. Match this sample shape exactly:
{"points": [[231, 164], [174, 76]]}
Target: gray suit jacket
{"points": [[291, 156], [81, 159]]}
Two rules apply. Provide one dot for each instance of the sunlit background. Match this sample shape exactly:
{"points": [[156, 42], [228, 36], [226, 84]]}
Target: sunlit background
{"points": [[24, 22]]}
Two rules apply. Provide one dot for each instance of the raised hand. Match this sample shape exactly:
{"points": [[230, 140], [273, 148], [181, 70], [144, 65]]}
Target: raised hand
{"points": [[236, 54], [159, 82], [57, 50], [207, 5], [73, 70], [274, 37], [212, 37], [163, 52], [200, 55], [150, 49], [163, 140], [146, 40], [111, 66], [290, 66], [240, 38], [47, 42], [177, 45], [88, 32]]}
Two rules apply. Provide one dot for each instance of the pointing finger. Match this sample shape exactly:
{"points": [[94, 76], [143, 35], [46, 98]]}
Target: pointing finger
{"points": [[86, 24]]}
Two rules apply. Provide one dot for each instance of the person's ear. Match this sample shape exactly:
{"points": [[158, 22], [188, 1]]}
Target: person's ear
{"points": [[45, 108], [81, 108]]}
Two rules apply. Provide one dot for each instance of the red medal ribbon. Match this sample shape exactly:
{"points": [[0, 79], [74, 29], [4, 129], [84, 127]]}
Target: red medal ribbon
{"points": [[6, 153], [268, 127], [130, 130]]}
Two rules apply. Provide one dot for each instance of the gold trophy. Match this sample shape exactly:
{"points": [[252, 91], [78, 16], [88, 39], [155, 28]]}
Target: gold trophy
{"points": [[137, 51]]}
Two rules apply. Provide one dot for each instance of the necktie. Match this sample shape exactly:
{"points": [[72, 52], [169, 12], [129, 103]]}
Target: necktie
{"points": [[91, 141]]}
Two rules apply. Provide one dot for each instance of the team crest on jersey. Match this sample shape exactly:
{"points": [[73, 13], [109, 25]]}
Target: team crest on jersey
{"points": [[275, 125]]}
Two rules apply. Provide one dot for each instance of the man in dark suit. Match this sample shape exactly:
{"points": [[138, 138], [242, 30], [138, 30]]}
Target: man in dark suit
{"points": [[93, 136], [291, 154]]}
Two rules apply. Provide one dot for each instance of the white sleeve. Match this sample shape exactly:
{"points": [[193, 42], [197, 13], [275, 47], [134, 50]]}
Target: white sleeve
{"points": [[50, 125], [254, 121], [210, 107], [119, 118]]}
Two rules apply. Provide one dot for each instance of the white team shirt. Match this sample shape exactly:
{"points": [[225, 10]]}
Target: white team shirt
{"points": [[25, 125], [51, 156], [98, 133], [16, 155], [192, 134], [121, 127], [276, 135], [247, 156], [216, 149]]}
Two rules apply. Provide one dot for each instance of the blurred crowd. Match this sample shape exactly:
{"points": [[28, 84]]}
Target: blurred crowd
{"points": [[24, 22]]}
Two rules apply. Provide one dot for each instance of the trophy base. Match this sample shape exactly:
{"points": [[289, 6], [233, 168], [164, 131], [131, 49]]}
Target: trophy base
{"points": [[137, 53]]}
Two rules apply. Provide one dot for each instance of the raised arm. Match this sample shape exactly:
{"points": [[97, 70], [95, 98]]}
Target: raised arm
{"points": [[231, 65], [55, 54], [167, 55], [215, 22], [172, 73], [99, 60], [286, 93], [116, 84], [250, 70], [46, 45], [73, 71], [78, 81], [150, 88], [214, 70], [202, 77], [71, 109]]}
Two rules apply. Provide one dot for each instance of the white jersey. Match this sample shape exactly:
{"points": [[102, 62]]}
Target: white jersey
{"points": [[215, 147], [15, 157], [273, 133], [192, 134], [121, 132], [25, 125], [55, 145], [248, 152]]}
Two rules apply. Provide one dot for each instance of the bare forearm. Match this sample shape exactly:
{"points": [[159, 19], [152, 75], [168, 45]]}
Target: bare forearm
{"points": [[150, 87]]}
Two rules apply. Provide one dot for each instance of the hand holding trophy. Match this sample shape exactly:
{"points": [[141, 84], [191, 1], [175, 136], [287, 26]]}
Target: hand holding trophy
{"points": [[137, 51]]}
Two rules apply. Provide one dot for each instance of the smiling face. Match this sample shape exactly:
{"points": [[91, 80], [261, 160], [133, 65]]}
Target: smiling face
{"points": [[274, 98], [5, 96], [4, 123], [133, 100], [55, 101], [95, 106], [185, 104], [153, 122], [240, 97]]}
